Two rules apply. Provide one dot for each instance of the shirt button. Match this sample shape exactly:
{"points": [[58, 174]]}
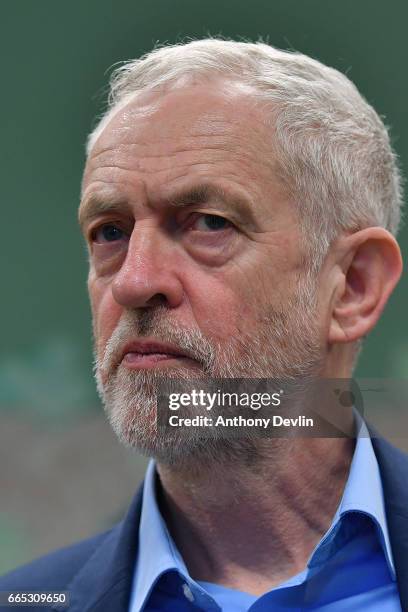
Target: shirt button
{"points": [[187, 592]]}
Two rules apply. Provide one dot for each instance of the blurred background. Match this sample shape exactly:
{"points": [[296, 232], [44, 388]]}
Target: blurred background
{"points": [[63, 475]]}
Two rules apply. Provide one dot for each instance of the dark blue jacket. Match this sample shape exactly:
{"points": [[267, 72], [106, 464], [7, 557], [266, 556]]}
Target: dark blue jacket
{"points": [[98, 572]]}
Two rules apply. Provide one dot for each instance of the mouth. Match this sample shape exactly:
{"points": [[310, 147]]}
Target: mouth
{"points": [[137, 355]]}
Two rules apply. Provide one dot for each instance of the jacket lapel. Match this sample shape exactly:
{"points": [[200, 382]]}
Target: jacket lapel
{"points": [[105, 581], [393, 465]]}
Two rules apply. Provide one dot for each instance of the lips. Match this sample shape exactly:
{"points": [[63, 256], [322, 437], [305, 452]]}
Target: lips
{"points": [[146, 353]]}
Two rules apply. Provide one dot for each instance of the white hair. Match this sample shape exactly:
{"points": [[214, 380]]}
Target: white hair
{"points": [[332, 149]]}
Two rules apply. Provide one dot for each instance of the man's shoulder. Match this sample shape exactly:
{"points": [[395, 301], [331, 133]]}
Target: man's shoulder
{"points": [[387, 450], [96, 572], [393, 464], [54, 570]]}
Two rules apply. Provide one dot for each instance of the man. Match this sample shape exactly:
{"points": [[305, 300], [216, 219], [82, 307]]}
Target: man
{"points": [[240, 205]]}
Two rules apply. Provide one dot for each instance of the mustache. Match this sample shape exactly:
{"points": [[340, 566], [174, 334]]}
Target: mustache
{"points": [[156, 325]]}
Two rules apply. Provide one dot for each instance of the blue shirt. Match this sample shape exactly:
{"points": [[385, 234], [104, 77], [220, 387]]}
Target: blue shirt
{"points": [[351, 569]]}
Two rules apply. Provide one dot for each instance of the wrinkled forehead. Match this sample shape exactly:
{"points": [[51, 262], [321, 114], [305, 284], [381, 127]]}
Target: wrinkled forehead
{"points": [[219, 108]]}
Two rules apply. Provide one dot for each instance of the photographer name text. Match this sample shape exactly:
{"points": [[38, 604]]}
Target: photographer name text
{"points": [[240, 421]]}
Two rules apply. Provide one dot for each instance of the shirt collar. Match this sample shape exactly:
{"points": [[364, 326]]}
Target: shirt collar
{"points": [[154, 536], [363, 493]]}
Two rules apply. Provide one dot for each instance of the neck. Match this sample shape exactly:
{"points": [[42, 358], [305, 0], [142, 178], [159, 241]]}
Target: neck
{"points": [[251, 525]]}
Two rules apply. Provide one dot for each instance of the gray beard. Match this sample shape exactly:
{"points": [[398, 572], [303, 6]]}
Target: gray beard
{"points": [[284, 345]]}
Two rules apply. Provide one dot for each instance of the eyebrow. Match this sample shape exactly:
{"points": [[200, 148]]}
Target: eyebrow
{"points": [[98, 204], [237, 204]]}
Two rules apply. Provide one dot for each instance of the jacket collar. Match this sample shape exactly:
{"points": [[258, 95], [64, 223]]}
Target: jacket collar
{"points": [[110, 569], [393, 465]]}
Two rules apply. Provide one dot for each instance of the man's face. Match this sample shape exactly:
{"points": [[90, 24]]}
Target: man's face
{"points": [[193, 243]]}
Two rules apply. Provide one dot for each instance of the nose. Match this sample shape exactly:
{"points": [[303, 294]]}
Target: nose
{"points": [[148, 276]]}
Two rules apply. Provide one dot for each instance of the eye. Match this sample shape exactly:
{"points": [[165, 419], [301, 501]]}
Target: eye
{"points": [[107, 233], [207, 222]]}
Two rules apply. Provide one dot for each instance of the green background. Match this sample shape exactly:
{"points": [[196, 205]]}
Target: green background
{"points": [[55, 56]]}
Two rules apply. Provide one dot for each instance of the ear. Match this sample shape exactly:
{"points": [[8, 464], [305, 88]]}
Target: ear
{"points": [[371, 266]]}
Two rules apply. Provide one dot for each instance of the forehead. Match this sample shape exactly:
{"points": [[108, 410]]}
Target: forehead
{"points": [[200, 109], [211, 116]]}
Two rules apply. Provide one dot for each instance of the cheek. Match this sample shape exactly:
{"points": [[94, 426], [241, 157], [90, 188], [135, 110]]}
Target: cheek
{"points": [[222, 309], [105, 312]]}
